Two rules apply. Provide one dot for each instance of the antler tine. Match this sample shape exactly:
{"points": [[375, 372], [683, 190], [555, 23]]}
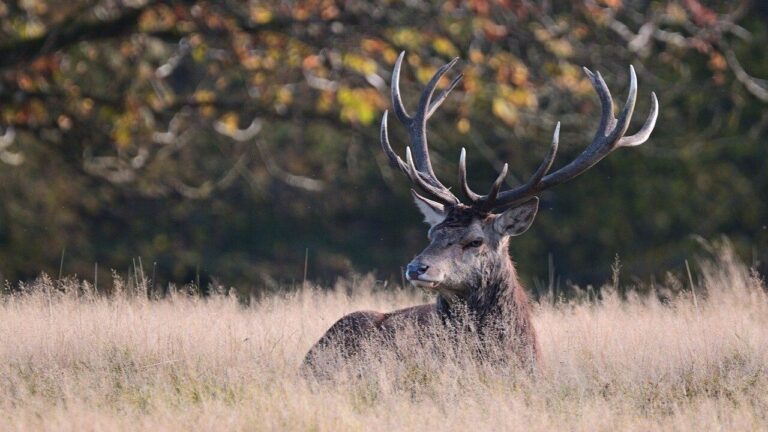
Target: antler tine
{"points": [[490, 200], [397, 100], [432, 203], [483, 202], [609, 137], [441, 194], [606, 101], [425, 104], [549, 159], [443, 94], [645, 132], [622, 124], [469, 193], [394, 159]]}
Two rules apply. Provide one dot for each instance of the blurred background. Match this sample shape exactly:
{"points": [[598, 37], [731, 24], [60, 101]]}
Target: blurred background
{"points": [[237, 141]]}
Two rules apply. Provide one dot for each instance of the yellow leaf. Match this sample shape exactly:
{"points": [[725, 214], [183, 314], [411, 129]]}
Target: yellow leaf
{"points": [[424, 74], [360, 64], [357, 105], [198, 53], [445, 47], [561, 48], [504, 110], [389, 55], [229, 121], [463, 126], [204, 96], [408, 38], [86, 105], [519, 75], [122, 134], [284, 96], [521, 97], [261, 15]]}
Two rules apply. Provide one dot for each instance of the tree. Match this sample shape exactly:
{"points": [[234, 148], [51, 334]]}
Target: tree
{"points": [[228, 137]]}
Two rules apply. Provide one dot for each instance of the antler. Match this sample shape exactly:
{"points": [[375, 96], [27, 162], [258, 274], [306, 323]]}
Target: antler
{"points": [[609, 137], [417, 165]]}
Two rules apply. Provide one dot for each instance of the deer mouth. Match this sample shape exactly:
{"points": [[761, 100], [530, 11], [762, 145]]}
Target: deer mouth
{"points": [[424, 283]]}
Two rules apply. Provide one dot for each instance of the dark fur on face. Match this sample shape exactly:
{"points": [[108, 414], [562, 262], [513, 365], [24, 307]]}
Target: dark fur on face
{"points": [[460, 216]]}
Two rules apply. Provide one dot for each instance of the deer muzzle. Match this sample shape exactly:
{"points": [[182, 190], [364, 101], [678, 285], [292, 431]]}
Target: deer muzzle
{"points": [[418, 274]]}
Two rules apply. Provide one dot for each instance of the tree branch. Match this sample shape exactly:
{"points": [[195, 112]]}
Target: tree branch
{"points": [[70, 33]]}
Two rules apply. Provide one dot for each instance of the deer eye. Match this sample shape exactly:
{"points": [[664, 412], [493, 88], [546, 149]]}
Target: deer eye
{"points": [[474, 244]]}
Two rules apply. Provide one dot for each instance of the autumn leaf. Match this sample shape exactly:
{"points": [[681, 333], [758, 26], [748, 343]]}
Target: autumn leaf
{"points": [[505, 110], [358, 105], [229, 122], [445, 47]]}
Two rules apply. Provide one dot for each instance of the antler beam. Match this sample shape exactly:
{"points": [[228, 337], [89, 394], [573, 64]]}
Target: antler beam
{"points": [[610, 135]]}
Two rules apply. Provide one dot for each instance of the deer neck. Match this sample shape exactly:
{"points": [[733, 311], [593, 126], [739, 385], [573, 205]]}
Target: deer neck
{"points": [[494, 293]]}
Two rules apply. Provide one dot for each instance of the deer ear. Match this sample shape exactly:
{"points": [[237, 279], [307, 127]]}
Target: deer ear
{"points": [[517, 220], [433, 212]]}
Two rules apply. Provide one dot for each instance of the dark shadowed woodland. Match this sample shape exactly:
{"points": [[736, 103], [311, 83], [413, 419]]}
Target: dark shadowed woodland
{"points": [[238, 142]]}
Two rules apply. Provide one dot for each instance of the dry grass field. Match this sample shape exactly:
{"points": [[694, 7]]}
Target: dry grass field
{"points": [[73, 361]]}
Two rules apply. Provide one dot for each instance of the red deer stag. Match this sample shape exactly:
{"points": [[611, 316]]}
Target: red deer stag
{"points": [[467, 263]]}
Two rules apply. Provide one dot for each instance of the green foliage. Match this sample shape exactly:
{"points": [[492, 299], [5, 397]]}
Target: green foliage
{"points": [[132, 133]]}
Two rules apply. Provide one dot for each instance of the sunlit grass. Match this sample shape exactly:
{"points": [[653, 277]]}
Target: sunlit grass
{"points": [[71, 360]]}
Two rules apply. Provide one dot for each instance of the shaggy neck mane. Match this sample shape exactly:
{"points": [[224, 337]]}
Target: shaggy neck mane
{"points": [[496, 304]]}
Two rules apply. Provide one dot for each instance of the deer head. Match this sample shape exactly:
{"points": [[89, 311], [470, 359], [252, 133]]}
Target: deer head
{"points": [[468, 242]]}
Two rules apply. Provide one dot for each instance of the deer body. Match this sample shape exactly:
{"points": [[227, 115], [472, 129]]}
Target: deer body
{"points": [[487, 299], [467, 264]]}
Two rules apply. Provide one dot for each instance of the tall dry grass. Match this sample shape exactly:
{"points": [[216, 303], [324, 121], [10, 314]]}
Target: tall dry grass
{"points": [[74, 361]]}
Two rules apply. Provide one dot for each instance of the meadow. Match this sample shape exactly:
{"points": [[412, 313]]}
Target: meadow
{"points": [[667, 359]]}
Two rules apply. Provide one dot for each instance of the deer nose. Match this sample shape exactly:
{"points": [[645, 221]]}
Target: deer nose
{"points": [[414, 270]]}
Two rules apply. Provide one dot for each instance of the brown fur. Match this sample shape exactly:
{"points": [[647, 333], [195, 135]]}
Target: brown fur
{"points": [[488, 300]]}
